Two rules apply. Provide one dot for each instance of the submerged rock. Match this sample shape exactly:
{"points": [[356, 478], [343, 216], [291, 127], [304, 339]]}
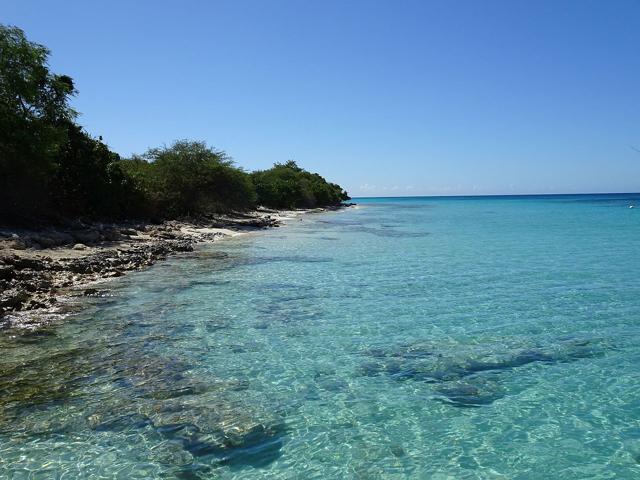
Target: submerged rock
{"points": [[12, 299], [119, 423], [465, 375], [471, 392]]}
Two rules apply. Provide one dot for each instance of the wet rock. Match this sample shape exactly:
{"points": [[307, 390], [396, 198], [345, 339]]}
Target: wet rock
{"points": [[467, 375], [470, 393], [34, 282], [397, 451], [172, 453], [7, 272], [251, 444], [238, 437], [29, 286], [34, 303], [518, 359], [21, 263], [121, 423], [259, 446], [80, 266], [56, 266], [13, 299], [79, 246], [189, 436]]}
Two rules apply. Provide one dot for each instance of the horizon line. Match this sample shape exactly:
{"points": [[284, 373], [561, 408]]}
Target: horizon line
{"points": [[496, 195]]}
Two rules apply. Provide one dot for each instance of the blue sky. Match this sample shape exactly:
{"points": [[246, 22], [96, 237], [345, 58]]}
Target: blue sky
{"points": [[386, 98]]}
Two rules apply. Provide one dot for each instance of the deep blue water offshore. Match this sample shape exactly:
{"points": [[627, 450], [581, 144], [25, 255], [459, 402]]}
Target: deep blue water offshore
{"points": [[422, 338]]}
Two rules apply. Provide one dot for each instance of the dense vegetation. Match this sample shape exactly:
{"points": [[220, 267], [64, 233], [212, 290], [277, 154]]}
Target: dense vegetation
{"points": [[289, 186], [189, 178], [50, 167]]}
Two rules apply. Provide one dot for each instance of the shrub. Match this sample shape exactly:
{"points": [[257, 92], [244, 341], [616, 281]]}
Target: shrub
{"points": [[289, 186], [191, 178]]}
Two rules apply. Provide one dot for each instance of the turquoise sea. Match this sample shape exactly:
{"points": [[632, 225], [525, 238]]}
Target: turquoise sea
{"points": [[405, 338]]}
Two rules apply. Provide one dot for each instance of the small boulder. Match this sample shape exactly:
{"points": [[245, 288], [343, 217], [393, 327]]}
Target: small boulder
{"points": [[7, 272], [79, 246], [13, 299], [21, 263]]}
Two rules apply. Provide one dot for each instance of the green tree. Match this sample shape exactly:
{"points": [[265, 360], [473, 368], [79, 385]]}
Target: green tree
{"points": [[34, 113], [50, 167], [286, 185], [189, 177], [90, 180]]}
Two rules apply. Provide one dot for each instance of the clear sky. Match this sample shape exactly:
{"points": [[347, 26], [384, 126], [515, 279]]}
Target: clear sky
{"points": [[384, 97]]}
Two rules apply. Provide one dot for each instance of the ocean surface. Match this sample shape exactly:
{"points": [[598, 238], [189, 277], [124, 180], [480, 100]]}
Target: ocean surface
{"points": [[414, 338]]}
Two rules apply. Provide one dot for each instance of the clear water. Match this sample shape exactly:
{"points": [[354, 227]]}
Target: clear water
{"points": [[428, 338]]}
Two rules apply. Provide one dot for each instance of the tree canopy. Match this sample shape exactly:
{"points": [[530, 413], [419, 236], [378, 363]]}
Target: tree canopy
{"points": [[286, 185], [34, 114], [189, 177], [51, 168]]}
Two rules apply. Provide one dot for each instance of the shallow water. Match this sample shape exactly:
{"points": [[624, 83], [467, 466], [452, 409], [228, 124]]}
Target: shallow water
{"points": [[493, 338]]}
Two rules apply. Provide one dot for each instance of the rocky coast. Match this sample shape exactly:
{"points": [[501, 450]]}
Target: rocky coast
{"points": [[40, 267]]}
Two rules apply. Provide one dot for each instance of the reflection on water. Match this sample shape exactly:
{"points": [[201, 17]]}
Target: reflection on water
{"points": [[502, 344]]}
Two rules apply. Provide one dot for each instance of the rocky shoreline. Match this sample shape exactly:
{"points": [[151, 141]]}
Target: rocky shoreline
{"points": [[40, 267]]}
